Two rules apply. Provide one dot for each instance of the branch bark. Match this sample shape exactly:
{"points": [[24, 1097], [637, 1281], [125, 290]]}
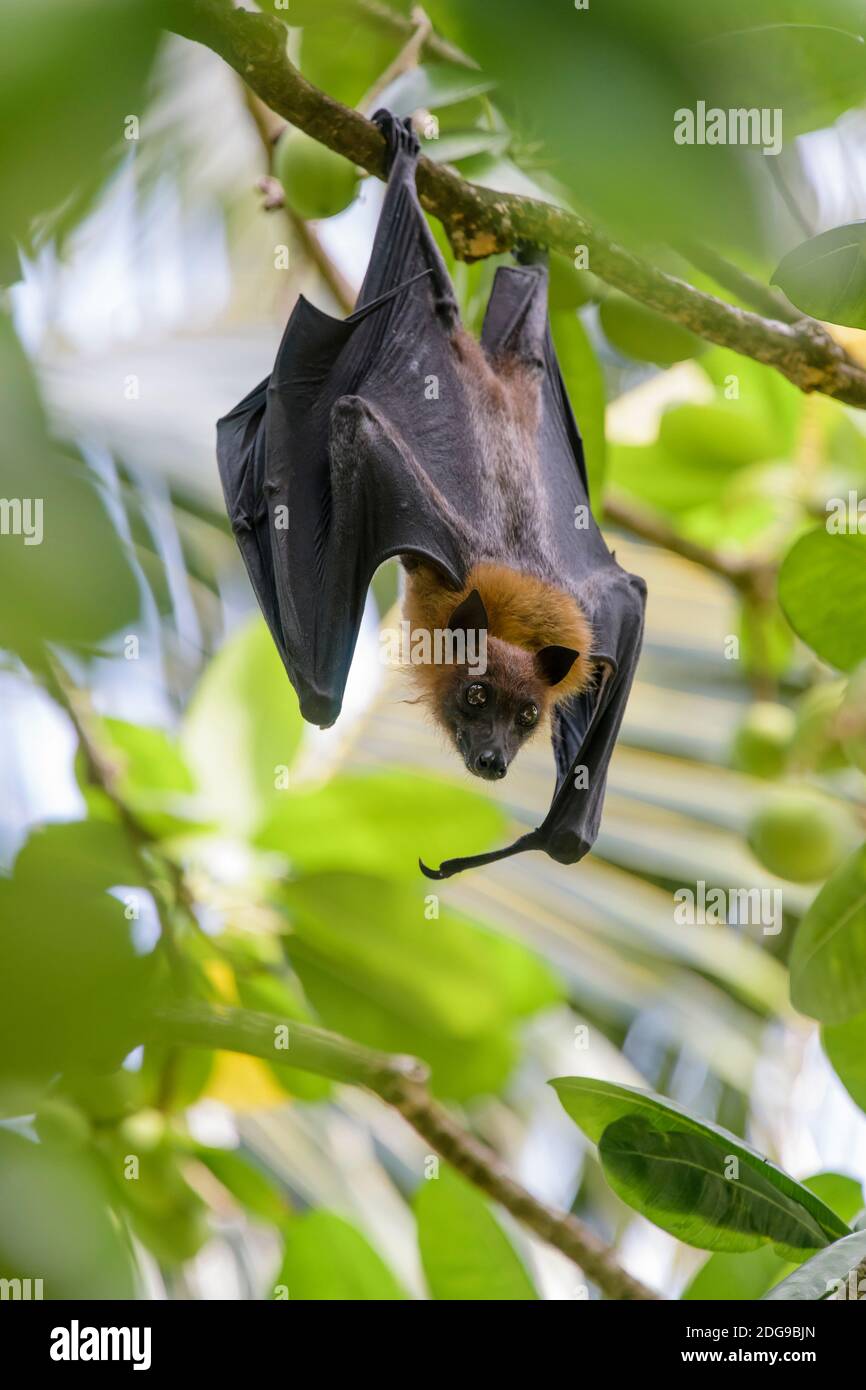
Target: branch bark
{"points": [[480, 222], [402, 1083]]}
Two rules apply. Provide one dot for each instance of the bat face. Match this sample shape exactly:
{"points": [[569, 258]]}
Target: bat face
{"points": [[491, 716]]}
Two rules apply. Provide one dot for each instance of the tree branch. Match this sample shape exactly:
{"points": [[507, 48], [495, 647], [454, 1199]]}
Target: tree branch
{"points": [[402, 1083], [481, 222]]}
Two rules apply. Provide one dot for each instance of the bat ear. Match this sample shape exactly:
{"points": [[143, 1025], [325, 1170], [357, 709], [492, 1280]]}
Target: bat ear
{"points": [[554, 663], [470, 615]]}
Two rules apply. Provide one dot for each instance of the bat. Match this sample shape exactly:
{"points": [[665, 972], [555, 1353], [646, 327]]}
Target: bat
{"points": [[394, 432]]}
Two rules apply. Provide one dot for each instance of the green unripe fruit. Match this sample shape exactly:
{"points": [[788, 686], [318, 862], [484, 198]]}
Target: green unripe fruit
{"points": [[761, 742], [801, 835], [61, 1124], [317, 182], [143, 1132], [638, 332]]}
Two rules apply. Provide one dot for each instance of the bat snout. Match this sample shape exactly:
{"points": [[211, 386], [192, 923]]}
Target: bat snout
{"points": [[489, 764]]}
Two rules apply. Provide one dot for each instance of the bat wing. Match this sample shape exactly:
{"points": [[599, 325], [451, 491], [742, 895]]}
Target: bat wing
{"points": [[321, 463], [586, 728]]}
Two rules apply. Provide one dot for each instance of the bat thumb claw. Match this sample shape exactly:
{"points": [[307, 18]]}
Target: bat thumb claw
{"points": [[430, 873]]}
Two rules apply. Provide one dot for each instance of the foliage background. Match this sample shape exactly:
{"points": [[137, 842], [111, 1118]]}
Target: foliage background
{"points": [[170, 829]]}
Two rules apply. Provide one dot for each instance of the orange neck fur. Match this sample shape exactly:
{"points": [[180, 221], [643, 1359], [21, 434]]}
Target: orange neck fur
{"points": [[522, 610]]}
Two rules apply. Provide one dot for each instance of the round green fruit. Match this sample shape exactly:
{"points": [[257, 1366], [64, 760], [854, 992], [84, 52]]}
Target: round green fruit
{"points": [[640, 333], [317, 182], [801, 835], [60, 1123], [761, 742]]}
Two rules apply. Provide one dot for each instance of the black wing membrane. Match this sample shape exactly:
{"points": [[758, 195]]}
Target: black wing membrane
{"points": [[343, 458]]}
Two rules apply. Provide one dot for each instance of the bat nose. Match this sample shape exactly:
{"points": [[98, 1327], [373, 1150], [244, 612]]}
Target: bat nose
{"points": [[490, 764]]}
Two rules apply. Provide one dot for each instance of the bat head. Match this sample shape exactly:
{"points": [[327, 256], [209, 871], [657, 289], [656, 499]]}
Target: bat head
{"points": [[491, 713]]}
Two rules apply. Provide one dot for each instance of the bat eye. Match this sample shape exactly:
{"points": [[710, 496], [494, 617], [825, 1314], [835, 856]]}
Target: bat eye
{"points": [[476, 695], [528, 716]]}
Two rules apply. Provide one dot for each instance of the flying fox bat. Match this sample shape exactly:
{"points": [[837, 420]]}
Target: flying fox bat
{"points": [[394, 432]]}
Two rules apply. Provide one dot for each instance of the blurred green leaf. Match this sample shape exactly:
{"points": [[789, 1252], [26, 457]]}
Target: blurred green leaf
{"points": [[818, 1277], [717, 435], [326, 1258], [826, 275], [585, 385], [78, 933], [845, 1045], [153, 779], [242, 729], [380, 823], [55, 522], [56, 1224], [252, 1188], [642, 334], [345, 47], [431, 86], [380, 970], [828, 956], [672, 1167], [744, 1275], [822, 590], [53, 68], [464, 1250]]}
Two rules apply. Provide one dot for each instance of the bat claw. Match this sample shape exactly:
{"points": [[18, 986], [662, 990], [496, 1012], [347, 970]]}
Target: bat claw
{"points": [[430, 873]]}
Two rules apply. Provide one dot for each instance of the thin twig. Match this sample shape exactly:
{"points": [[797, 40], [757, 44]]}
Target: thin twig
{"points": [[481, 222], [402, 1083], [406, 59], [753, 578], [738, 282]]}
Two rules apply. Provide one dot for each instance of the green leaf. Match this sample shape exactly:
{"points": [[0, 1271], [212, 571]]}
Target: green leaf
{"points": [[585, 385], [845, 1045], [671, 1167], [642, 334], [464, 1250], [78, 938], [745, 1275], [56, 1224], [718, 435], [153, 778], [53, 65], [242, 728], [822, 590], [379, 969], [826, 275], [56, 521], [380, 823], [431, 86], [819, 1277], [255, 1191], [326, 1258], [828, 956], [748, 1276]]}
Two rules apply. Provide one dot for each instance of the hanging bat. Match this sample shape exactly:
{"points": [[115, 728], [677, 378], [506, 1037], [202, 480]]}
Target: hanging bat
{"points": [[395, 433]]}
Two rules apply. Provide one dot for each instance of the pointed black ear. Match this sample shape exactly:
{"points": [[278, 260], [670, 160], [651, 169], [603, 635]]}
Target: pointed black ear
{"points": [[470, 615], [554, 663]]}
